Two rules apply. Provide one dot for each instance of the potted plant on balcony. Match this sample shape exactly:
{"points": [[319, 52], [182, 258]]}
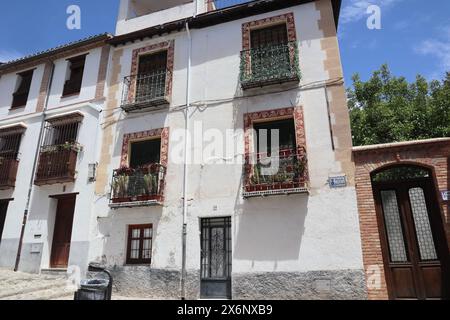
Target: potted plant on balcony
{"points": [[150, 187], [120, 189], [73, 146], [300, 168], [253, 177]]}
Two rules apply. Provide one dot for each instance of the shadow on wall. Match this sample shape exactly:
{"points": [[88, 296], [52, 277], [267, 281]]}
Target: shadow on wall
{"points": [[113, 232], [273, 234]]}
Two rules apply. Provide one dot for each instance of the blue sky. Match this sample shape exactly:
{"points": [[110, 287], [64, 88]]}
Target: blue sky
{"points": [[414, 36]]}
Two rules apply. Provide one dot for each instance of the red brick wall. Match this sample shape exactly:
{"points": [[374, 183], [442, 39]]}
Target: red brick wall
{"points": [[433, 154]]}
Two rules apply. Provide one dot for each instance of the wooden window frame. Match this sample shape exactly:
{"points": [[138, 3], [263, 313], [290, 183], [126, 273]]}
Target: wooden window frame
{"points": [[168, 46], [18, 103], [161, 133], [287, 18], [267, 28], [141, 239], [130, 144], [70, 87]]}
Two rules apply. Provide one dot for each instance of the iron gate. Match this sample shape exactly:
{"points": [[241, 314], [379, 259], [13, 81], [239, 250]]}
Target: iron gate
{"points": [[216, 258]]}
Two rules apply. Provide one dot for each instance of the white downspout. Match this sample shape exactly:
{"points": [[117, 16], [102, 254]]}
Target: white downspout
{"points": [[186, 159]]}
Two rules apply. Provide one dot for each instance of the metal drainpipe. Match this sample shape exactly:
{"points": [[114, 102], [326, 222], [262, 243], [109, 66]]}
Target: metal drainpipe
{"points": [[185, 174], [330, 125], [33, 171]]}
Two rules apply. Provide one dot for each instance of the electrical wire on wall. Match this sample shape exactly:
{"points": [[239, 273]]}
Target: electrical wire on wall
{"points": [[204, 104]]}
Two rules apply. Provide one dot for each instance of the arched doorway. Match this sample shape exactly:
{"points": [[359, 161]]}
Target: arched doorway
{"points": [[414, 245]]}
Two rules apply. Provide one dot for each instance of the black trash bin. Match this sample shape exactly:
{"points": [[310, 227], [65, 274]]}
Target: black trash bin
{"points": [[96, 288], [93, 289]]}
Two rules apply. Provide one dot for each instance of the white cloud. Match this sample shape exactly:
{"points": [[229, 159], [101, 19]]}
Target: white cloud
{"points": [[439, 48], [355, 10], [9, 55]]}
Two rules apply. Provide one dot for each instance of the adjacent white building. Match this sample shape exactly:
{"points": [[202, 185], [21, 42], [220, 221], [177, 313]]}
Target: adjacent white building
{"points": [[215, 226], [50, 106]]}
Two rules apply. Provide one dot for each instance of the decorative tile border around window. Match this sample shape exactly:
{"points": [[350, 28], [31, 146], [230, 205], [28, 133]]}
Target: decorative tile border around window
{"points": [[248, 51], [272, 115], [163, 133], [287, 18], [166, 45]]}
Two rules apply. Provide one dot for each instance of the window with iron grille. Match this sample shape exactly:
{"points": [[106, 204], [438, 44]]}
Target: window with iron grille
{"points": [[270, 50], [270, 36], [61, 132], [59, 151], [20, 97], [9, 155], [10, 144], [151, 77], [139, 248], [73, 84], [276, 164]]}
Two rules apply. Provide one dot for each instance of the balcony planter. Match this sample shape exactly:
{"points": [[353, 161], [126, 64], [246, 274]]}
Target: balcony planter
{"points": [[277, 186], [287, 185], [121, 200]]}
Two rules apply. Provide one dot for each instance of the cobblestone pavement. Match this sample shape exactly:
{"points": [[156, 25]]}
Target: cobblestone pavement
{"points": [[24, 286]]}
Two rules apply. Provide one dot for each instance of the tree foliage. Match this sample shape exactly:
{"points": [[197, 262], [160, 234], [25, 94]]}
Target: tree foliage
{"points": [[389, 109]]}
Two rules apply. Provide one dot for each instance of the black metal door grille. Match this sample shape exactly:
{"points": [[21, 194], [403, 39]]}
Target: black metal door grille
{"points": [[216, 257]]}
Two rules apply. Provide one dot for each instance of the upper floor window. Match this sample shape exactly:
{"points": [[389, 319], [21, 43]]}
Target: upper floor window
{"points": [[10, 139], [58, 156], [20, 96], [145, 152], [151, 77], [60, 133], [76, 70], [9, 144], [270, 52], [267, 132], [149, 84], [269, 36], [275, 153]]}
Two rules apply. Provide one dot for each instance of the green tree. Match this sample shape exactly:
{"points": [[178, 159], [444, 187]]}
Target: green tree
{"points": [[389, 109]]}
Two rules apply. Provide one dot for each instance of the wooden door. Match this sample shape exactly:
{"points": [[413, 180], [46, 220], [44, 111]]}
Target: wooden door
{"points": [[3, 210], [415, 250], [62, 232]]}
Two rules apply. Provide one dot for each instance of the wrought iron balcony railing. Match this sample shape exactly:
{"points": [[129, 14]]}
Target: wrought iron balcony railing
{"points": [[57, 164], [8, 170], [138, 187], [270, 174], [269, 65], [145, 90]]}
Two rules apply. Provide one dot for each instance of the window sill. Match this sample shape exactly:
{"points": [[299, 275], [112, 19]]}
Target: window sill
{"points": [[274, 192], [16, 108], [137, 264], [70, 95]]}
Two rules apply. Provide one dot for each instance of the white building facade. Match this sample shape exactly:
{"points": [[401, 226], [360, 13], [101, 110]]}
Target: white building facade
{"points": [[232, 71], [50, 106], [201, 217]]}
